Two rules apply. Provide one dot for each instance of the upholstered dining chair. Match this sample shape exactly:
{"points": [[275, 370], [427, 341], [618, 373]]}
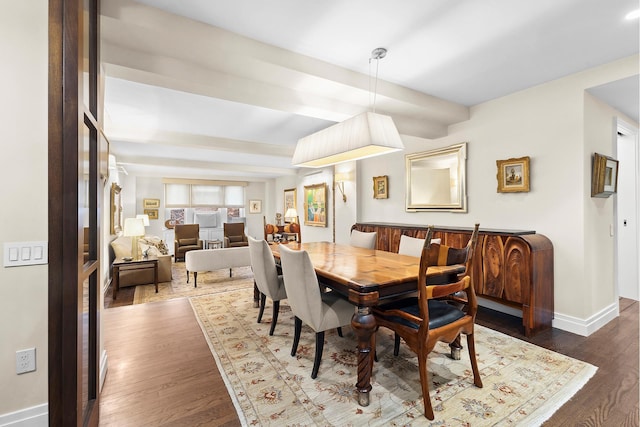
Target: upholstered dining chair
{"points": [[364, 240], [234, 235], [319, 310], [431, 318], [187, 238], [265, 274], [412, 246]]}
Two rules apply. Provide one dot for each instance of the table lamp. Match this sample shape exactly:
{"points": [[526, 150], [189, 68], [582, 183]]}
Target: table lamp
{"points": [[134, 228], [144, 218], [291, 213]]}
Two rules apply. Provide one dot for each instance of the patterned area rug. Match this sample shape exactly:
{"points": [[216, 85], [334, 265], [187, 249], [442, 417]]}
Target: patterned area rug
{"points": [[523, 384], [210, 282]]}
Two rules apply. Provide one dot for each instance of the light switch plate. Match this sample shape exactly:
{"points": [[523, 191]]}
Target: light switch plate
{"points": [[25, 253]]}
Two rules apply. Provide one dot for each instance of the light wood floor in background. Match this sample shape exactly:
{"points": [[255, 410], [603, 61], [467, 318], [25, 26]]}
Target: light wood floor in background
{"points": [[162, 373]]}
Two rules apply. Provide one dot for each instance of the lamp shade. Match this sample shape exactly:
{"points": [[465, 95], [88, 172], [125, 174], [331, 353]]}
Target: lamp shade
{"points": [[365, 135], [133, 227], [291, 213], [144, 218]]}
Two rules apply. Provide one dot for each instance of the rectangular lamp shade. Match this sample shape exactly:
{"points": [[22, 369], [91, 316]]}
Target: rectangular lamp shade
{"points": [[133, 227], [144, 218], [365, 135]]}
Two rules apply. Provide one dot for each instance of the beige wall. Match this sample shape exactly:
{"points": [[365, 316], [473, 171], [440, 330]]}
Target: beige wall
{"points": [[23, 108], [559, 126]]}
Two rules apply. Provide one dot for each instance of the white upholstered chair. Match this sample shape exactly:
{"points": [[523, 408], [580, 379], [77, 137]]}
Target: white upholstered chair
{"points": [[319, 310], [364, 240], [412, 246], [265, 274]]}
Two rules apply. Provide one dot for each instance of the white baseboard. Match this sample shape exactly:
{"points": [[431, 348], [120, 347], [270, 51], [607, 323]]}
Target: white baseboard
{"points": [[36, 416], [586, 327]]}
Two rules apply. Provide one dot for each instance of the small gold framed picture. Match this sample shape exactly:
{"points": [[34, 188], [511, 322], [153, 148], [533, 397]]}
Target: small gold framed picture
{"points": [[153, 213], [381, 187], [513, 175], [150, 203]]}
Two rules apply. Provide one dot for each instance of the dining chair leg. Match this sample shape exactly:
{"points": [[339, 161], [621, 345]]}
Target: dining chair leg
{"points": [[339, 331], [318, 357], [296, 335], [471, 343], [396, 344], [274, 318], [263, 300], [424, 382]]}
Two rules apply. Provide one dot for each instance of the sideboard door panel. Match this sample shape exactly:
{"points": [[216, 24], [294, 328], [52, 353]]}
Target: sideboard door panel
{"points": [[517, 271], [493, 266]]}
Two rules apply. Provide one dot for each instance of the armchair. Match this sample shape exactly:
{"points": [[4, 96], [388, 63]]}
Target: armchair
{"points": [[234, 235], [187, 238]]}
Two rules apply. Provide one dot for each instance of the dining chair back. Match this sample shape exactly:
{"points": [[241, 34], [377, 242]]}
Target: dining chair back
{"points": [[266, 277], [319, 310], [412, 246], [362, 239]]}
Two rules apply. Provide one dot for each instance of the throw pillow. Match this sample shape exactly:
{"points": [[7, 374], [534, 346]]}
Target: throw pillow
{"points": [[121, 247], [185, 242], [235, 239]]}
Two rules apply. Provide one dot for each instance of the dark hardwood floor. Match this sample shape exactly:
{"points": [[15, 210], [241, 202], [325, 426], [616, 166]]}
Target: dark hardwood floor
{"points": [[161, 371]]}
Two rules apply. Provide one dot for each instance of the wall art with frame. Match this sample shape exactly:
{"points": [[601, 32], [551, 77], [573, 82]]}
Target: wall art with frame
{"points": [[150, 203], [255, 206], [315, 205], [290, 202], [513, 175], [381, 187], [604, 176]]}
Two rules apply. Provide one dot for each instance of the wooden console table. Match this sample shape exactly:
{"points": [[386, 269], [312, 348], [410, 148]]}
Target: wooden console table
{"points": [[511, 267]]}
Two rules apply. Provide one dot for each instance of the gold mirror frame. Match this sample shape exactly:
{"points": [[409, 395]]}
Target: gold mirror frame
{"points": [[116, 208], [436, 180]]}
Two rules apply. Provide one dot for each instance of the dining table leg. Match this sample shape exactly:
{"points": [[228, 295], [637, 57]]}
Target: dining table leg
{"points": [[364, 326]]}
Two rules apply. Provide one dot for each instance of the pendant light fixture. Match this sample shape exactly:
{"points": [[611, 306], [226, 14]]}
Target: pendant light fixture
{"points": [[366, 135]]}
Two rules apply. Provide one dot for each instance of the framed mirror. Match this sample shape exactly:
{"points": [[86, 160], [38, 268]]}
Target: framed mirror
{"points": [[436, 180], [116, 208]]}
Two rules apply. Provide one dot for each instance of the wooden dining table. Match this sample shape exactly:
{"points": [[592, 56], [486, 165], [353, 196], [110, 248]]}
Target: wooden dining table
{"points": [[366, 277]]}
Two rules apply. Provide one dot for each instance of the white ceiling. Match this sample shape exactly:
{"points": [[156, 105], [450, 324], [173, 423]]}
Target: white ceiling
{"points": [[225, 89]]}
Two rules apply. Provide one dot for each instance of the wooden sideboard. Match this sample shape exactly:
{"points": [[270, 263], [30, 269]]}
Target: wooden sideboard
{"points": [[511, 267]]}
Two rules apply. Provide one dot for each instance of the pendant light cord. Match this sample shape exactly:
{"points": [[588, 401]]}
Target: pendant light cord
{"points": [[376, 54]]}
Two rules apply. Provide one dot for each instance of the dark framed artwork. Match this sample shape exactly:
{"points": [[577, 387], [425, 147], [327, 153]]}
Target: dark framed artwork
{"points": [[604, 176]]}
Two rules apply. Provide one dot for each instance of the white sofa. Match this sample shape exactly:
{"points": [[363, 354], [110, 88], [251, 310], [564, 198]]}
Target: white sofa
{"points": [[216, 259]]}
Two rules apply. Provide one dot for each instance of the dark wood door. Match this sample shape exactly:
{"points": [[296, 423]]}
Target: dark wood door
{"points": [[74, 202]]}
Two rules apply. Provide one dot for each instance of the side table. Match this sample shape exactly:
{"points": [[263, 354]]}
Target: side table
{"points": [[134, 264], [213, 244]]}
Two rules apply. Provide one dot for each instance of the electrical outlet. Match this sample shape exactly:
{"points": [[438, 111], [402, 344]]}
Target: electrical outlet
{"points": [[25, 360]]}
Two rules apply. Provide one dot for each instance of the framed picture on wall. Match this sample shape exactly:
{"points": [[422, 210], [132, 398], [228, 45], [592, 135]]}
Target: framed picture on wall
{"points": [[381, 187], [150, 203], [315, 205], [513, 175], [255, 206], [153, 213], [604, 176], [290, 202]]}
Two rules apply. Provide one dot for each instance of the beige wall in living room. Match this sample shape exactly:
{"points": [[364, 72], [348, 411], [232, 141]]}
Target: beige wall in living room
{"points": [[23, 290]]}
